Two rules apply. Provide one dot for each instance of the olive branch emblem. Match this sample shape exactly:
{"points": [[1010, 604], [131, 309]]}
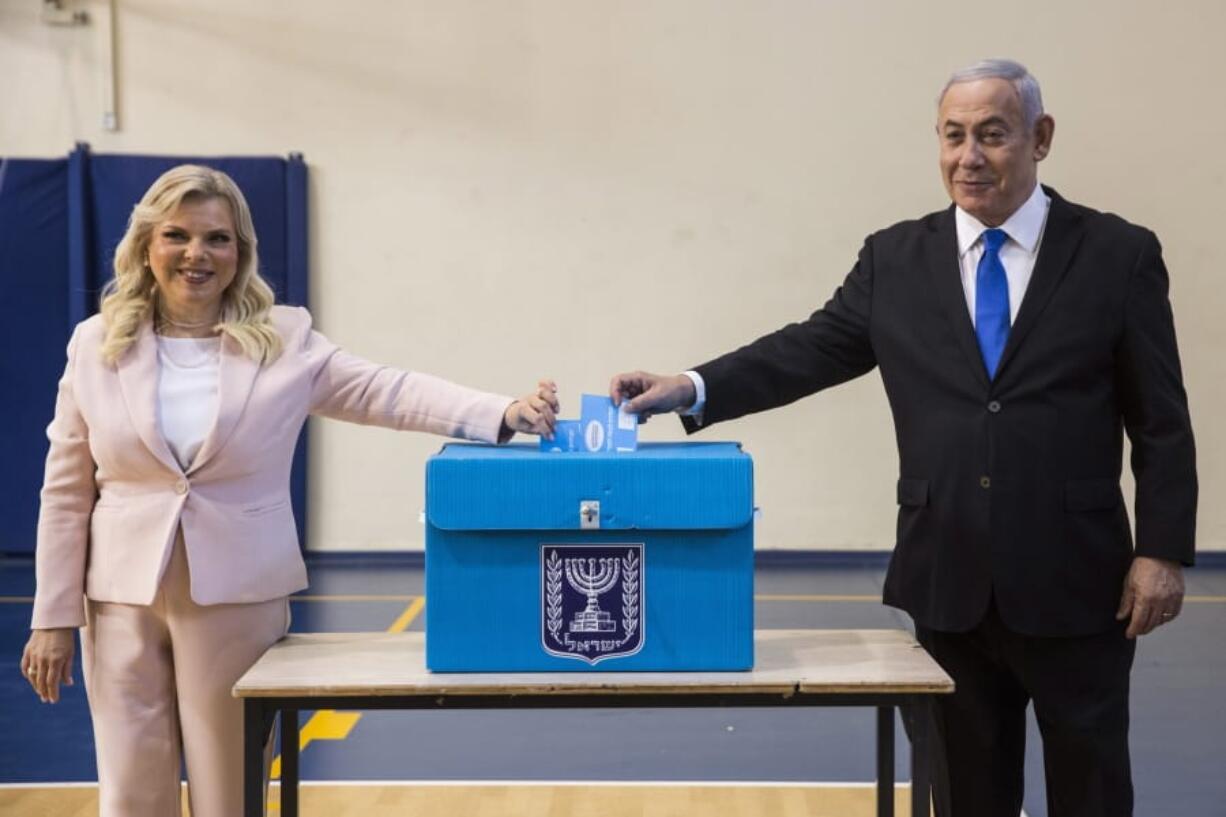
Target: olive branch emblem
{"points": [[553, 594], [630, 594]]}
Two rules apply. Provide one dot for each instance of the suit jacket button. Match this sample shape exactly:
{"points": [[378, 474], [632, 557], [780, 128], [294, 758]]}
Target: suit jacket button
{"points": [[985, 482], [181, 487], [994, 407]]}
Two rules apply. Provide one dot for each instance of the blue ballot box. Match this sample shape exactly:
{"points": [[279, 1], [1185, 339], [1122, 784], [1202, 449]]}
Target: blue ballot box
{"points": [[548, 561]]}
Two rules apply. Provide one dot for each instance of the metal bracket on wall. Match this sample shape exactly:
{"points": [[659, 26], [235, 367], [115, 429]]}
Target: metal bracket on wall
{"points": [[55, 14], [67, 13]]}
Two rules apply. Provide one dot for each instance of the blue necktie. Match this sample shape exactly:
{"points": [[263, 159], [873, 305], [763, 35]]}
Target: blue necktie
{"points": [[991, 301]]}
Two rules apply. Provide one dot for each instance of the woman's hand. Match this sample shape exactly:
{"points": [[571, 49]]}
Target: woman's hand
{"points": [[535, 413], [46, 662]]}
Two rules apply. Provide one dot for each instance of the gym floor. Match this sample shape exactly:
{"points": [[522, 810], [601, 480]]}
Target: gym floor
{"points": [[507, 763]]}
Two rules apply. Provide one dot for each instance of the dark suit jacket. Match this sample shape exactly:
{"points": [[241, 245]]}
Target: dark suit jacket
{"points": [[1008, 487]]}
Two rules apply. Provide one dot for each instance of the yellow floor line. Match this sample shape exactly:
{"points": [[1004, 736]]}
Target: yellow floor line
{"points": [[328, 724], [406, 618]]}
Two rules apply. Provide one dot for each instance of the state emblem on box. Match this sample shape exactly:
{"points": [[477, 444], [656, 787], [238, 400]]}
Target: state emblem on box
{"points": [[580, 562]]}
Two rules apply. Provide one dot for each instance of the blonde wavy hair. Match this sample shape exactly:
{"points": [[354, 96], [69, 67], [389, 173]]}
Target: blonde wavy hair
{"points": [[130, 298]]}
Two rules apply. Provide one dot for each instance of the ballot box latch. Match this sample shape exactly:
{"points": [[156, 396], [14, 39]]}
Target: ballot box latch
{"points": [[589, 514]]}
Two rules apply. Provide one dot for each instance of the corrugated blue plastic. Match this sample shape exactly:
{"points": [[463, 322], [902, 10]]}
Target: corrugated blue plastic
{"points": [[661, 486], [494, 513]]}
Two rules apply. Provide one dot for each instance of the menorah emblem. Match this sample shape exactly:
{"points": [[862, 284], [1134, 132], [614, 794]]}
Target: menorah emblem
{"points": [[574, 578], [591, 579]]}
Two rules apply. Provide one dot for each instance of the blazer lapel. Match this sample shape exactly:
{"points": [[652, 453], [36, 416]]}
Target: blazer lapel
{"points": [[138, 381], [946, 280], [236, 377], [1061, 236]]}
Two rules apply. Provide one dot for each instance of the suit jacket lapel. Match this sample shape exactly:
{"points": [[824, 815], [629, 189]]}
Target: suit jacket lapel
{"points": [[946, 280], [138, 381], [236, 377], [1060, 239]]}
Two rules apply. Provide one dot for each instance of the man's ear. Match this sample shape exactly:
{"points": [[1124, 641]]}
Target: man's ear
{"points": [[1044, 129]]}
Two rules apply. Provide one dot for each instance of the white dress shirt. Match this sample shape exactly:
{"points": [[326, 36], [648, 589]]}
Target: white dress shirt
{"points": [[1017, 254], [187, 393]]}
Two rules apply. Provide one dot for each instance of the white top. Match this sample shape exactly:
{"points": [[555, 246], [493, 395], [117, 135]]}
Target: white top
{"points": [[1017, 254], [187, 393], [1025, 230]]}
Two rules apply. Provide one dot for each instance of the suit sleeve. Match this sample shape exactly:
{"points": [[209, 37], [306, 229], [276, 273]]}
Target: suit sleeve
{"points": [[67, 501], [1155, 412], [831, 347], [347, 387]]}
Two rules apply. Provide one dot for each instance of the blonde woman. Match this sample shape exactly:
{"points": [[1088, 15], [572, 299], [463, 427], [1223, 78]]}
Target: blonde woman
{"points": [[166, 497]]}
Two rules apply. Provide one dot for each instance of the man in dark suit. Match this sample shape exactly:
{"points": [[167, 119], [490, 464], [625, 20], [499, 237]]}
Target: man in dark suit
{"points": [[1018, 336]]}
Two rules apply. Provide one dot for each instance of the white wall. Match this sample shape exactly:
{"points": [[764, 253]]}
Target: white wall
{"points": [[506, 189]]}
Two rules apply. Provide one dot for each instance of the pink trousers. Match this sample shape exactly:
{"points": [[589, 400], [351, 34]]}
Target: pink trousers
{"points": [[158, 680]]}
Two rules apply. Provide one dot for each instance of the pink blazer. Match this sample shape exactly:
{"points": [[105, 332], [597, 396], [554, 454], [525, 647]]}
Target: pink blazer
{"points": [[114, 495]]}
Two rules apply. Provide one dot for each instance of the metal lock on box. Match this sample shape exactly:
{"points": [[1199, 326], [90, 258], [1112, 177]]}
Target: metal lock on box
{"points": [[589, 514]]}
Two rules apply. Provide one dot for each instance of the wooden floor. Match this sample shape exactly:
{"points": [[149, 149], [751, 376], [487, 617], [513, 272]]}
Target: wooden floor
{"points": [[518, 801]]}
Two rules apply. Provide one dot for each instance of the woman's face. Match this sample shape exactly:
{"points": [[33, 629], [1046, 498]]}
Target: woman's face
{"points": [[194, 257]]}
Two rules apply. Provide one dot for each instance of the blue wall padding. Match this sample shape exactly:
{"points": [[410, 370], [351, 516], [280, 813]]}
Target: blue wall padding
{"points": [[34, 328]]}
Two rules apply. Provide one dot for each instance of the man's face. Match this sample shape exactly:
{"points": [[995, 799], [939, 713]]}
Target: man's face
{"points": [[989, 158]]}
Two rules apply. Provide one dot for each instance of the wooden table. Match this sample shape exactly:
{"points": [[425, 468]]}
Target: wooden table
{"points": [[878, 668]]}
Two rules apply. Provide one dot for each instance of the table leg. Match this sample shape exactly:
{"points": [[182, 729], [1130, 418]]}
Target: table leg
{"points": [[885, 761], [289, 763], [921, 758], [257, 722]]}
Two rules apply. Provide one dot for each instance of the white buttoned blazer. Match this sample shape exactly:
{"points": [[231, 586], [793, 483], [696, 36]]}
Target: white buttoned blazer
{"points": [[114, 495]]}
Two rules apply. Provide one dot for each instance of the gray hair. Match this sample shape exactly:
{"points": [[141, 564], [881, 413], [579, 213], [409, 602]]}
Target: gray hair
{"points": [[1023, 82]]}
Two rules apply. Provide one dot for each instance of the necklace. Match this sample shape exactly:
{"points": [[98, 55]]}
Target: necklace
{"points": [[194, 354], [166, 319], [161, 319], [161, 322]]}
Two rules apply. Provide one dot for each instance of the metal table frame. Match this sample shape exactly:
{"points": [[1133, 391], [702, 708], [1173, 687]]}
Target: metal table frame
{"points": [[260, 715]]}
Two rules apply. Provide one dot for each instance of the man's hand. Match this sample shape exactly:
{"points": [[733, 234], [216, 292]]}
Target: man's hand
{"points": [[1153, 595], [46, 662], [535, 413], [650, 394]]}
